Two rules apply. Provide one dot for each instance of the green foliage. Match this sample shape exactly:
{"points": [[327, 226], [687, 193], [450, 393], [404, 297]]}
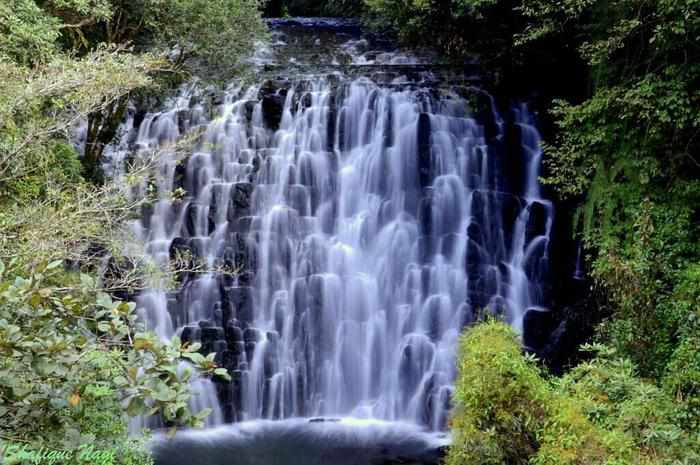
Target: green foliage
{"points": [[27, 34], [47, 89], [61, 167], [682, 377], [640, 269], [32, 32], [40, 106], [549, 18], [569, 437], [215, 32], [332, 8], [72, 356], [627, 131], [424, 22], [600, 413], [500, 399], [639, 421]]}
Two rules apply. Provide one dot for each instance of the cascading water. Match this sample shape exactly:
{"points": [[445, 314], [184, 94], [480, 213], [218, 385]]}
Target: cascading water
{"points": [[369, 219]]}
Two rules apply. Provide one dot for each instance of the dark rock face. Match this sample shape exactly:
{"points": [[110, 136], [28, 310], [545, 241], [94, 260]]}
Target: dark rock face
{"points": [[198, 220], [241, 299], [240, 200], [272, 96], [424, 161], [538, 326]]}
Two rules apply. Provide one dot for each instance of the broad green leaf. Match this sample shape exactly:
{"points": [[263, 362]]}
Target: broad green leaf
{"points": [[54, 264]]}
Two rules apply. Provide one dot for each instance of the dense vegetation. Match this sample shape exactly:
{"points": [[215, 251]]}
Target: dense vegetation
{"points": [[623, 150], [342, 8], [509, 412], [73, 361]]}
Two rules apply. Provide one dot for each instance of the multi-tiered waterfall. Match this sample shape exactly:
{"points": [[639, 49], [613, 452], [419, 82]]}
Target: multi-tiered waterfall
{"points": [[368, 214]]}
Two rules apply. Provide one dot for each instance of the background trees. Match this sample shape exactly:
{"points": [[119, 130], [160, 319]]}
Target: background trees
{"points": [[84, 57]]}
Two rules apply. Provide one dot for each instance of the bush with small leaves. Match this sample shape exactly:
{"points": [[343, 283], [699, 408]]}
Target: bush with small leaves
{"points": [[500, 399], [600, 413]]}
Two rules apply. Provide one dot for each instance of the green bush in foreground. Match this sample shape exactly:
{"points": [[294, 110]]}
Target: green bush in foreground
{"points": [[507, 412], [74, 362], [500, 400]]}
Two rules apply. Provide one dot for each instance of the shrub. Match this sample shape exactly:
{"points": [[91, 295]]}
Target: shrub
{"points": [[600, 413], [71, 358], [682, 377], [500, 399]]}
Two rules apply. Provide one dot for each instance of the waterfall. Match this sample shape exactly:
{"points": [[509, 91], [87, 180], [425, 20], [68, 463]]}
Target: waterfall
{"points": [[352, 226]]}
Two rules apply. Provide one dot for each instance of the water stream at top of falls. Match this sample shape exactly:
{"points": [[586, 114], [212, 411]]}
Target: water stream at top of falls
{"points": [[369, 218]]}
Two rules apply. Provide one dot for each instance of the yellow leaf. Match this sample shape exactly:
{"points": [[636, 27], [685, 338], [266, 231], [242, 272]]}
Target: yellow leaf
{"points": [[142, 344], [74, 399]]}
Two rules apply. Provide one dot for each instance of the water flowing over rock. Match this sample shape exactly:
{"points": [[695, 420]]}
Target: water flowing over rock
{"points": [[365, 217]]}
